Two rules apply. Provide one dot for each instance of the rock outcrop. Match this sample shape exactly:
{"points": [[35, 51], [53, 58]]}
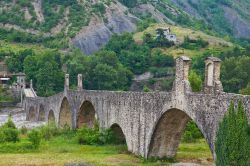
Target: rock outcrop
{"points": [[98, 33]]}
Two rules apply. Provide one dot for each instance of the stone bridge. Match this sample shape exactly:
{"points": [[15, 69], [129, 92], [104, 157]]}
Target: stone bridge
{"points": [[152, 123]]}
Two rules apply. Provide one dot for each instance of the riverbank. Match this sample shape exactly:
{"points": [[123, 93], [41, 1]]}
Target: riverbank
{"points": [[66, 151]]}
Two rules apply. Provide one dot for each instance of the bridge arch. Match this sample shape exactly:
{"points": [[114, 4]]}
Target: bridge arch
{"points": [[41, 115], [167, 133], [31, 114], [118, 133], [65, 114], [86, 115], [51, 117]]}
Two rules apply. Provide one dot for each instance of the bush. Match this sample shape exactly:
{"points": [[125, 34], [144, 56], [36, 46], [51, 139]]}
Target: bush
{"points": [[9, 135], [193, 44], [48, 131], [192, 133], [94, 136], [232, 145], [88, 136], [23, 130], [34, 137], [9, 124], [9, 132]]}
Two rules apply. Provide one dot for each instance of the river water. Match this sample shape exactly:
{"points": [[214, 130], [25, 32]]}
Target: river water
{"points": [[18, 116]]}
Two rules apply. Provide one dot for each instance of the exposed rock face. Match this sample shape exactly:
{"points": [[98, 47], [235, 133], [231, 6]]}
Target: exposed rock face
{"points": [[38, 10], [241, 27], [156, 14], [98, 33]]}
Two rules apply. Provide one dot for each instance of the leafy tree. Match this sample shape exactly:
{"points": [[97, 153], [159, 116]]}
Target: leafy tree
{"points": [[49, 76], [195, 81], [101, 71], [16, 60], [232, 145], [158, 59], [45, 70], [235, 73], [246, 91]]}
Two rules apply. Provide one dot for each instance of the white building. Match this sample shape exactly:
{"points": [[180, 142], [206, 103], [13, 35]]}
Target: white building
{"points": [[168, 35]]}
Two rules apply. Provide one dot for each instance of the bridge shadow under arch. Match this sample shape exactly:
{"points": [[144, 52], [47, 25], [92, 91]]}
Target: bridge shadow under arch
{"points": [[65, 115], [41, 115], [167, 134], [31, 114], [86, 115], [51, 117], [118, 133]]}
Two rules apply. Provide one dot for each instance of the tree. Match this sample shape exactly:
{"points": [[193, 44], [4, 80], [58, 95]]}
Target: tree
{"points": [[232, 145], [246, 91], [45, 71], [48, 78], [159, 59], [195, 81], [235, 73]]}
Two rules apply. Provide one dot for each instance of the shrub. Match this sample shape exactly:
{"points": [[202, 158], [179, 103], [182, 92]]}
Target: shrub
{"points": [[23, 130], [9, 135], [192, 133], [9, 132], [232, 145], [94, 136], [48, 131], [88, 136], [107, 137], [146, 89], [9, 124], [34, 137]]}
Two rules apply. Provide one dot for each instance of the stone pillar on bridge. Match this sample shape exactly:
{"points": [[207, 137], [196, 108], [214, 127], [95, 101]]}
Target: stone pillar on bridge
{"points": [[79, 82], [212, 82], [181, 83], [66, 83]]}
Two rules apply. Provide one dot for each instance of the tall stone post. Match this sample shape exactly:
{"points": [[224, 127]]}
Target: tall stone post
{"points": [[66, 83], [181, 83], [31, 84], [212, 82], [79, 82]]}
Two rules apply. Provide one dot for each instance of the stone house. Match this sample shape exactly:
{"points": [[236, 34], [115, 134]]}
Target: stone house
{"points": [[5, 75], [168, 35]]}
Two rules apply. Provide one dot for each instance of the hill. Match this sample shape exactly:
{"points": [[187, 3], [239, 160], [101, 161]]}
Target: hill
{"points": [[215, 44], [89, 25]]}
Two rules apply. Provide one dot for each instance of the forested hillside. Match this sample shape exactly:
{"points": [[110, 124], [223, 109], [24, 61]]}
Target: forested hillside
{"points": [[89, 25], [41, 38]]}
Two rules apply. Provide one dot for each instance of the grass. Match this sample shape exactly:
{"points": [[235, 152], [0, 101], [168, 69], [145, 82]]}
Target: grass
{"points": [[215, 44], [62, 150]]}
